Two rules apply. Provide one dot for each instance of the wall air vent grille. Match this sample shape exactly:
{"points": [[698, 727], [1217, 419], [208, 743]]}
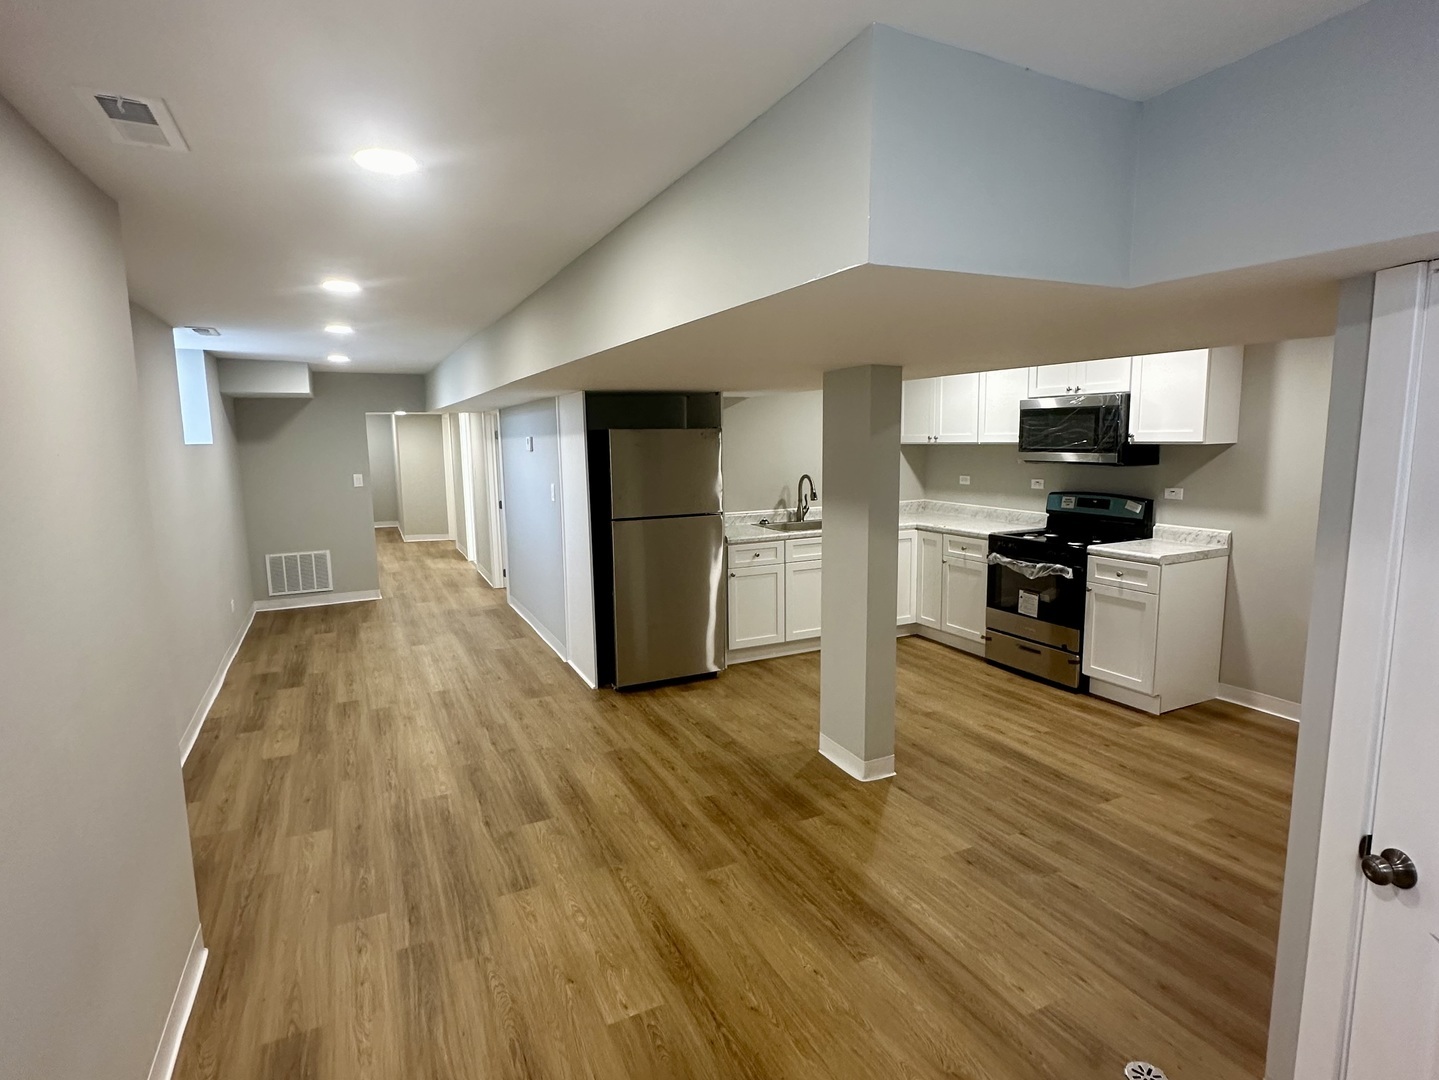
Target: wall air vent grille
{"points": [[136, 121], [299, 572]]}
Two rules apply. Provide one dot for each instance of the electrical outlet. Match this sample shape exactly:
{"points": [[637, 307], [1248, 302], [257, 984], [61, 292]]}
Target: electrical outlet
{"points": [[1176, 494], [1037, 484], [964, 481], [359, 479]]}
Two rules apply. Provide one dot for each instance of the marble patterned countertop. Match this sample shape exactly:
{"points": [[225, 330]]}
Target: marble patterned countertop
{"points": [[1171, 543], [962, 519]]}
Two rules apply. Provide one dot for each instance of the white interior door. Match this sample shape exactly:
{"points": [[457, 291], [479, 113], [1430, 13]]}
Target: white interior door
{"points": [[1395, 1025]]}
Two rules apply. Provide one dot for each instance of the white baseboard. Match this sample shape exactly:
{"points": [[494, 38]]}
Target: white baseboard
{"points": [[1253, 699], [944, 637], [591, 683], [424, 538], [197, 721], [387, 524], [770, 652], [545, 636], [857, 767], [283, 603], [166, 1054]]}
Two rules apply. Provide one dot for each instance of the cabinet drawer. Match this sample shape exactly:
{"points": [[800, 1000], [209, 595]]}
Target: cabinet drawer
{"points": [[1127, 575], [765, 554], [803, 550], [961, 546]]}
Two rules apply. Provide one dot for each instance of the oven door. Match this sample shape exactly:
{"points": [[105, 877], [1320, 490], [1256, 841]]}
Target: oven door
{"points": [[1089, 428], [1037, 602]]}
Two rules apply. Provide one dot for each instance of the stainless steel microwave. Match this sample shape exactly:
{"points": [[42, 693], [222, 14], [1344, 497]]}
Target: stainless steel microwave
{"points": [[1090, 428]]}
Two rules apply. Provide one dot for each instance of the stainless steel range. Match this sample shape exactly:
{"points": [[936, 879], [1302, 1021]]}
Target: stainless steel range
{"points": [[1035, 617]]}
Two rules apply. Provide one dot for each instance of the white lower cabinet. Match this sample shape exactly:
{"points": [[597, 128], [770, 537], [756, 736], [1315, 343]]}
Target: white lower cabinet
{"points": [[905, 586], [929, 581], [756, 605], [1120, 634], [801, 600], [966, 579], [1152, 634]]}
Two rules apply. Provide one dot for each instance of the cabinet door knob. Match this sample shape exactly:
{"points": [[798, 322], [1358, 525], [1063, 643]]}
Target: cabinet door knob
{"points": [[1119, 573]]}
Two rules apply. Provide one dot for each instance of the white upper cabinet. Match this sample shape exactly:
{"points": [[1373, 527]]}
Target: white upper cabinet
{"points": [[1187, 397], [943, 410], [1109, 376], [1000, 393], [1053, 380], [958, 418], [918, 407]]}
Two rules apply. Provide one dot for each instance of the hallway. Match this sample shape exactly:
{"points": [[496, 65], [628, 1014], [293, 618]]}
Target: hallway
{"points": [[423, 848]]}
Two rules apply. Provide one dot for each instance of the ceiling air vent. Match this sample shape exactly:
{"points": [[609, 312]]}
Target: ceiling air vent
{"points": [[136, 121], [299, 572], [203, 331]]}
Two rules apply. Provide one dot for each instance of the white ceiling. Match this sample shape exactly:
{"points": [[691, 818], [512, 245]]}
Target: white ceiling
{"points": [[541, 125]]}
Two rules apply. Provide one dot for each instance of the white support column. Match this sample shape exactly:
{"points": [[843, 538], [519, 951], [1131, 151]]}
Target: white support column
{"points": [[861, 563]]}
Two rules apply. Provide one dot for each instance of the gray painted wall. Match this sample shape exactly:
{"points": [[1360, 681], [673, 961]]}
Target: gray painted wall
{"points": [[1310, 145], [783, 202], [97, 904], [420, 453], [1265, 489], [532, 513], [380, 438], [770, 440], [297, 458], [988, 168], [199, 521]]}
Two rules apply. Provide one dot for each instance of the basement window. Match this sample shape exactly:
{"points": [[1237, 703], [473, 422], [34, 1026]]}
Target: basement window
{"points": [[190, 373]]}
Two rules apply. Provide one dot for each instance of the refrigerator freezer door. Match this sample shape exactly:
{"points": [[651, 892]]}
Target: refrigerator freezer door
{"points": [[669, 598], [664, 472]]}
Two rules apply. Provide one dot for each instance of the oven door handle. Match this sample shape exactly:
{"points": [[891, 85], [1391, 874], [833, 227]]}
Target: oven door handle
{"points": [[1032, 570]]}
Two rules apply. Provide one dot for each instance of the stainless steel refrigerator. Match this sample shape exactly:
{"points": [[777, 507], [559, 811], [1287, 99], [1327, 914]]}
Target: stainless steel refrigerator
{"points": [[667, 552]]}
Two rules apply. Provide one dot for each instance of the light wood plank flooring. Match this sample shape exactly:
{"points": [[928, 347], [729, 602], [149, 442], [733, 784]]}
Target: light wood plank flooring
{"points": [[425, 850]]}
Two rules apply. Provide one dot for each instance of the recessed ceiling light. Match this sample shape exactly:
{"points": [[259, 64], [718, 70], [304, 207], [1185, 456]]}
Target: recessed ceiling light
{"points": [[400, 412], [389, 162], [338, 358], [340, 286], [338, 328]]}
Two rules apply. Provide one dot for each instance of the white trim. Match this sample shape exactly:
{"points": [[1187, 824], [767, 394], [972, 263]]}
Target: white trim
{"points": [[1253, 699], [387, 524], [535, 625], [484, 576], [591, 683], [424, 538], [771, 652], [284, 603], [162, 1066], [943, 637], [197, 721], [452, 512], [857, 767]]}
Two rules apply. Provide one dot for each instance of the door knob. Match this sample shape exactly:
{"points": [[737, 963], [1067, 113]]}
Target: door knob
{"points": [[1390, 867]]}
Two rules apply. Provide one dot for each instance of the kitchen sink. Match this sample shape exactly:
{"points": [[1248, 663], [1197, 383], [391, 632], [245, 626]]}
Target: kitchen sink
{"points": [[792, 526]]}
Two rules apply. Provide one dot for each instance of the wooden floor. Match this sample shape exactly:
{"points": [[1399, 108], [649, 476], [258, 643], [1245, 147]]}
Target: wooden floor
{"points": [[425, 850]]}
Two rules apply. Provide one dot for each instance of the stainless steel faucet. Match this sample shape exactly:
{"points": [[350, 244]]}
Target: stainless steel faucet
{"points": [[802, 498]]}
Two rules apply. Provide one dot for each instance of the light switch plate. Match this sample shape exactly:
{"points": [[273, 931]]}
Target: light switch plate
{"points": [[1037, 484], [1174, 493], [964, 481], [359, 479]]}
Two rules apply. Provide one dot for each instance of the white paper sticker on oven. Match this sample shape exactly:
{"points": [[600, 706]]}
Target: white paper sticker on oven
{"points": [[1029, 604]]}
